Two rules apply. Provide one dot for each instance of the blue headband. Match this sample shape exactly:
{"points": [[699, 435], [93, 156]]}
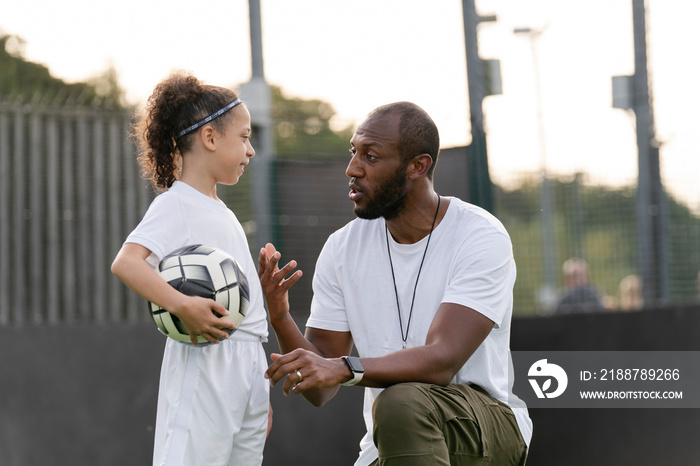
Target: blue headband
{"points": [[211, 117]]}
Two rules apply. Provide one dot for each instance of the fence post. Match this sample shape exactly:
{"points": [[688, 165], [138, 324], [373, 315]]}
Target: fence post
{"points": [[35, 216], [52, 302], [83, 219], [18, 270], [115, 227], [132, 200], [5, 288], [69, 214], [98, 243]]}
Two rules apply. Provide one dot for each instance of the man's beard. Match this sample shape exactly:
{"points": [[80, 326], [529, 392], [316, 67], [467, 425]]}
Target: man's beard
{"points": [[388, 201]]}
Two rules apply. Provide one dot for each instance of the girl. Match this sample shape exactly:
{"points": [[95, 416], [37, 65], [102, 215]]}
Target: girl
{"points": [[213, 401]]}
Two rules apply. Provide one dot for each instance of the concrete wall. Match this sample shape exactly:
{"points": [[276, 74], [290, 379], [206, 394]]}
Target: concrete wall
{"points": [[78, 395], [86, 396]]}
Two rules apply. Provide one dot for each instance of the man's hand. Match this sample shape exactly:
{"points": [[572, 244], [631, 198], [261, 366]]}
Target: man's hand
{"points": [[274, 284], [316, 371]]}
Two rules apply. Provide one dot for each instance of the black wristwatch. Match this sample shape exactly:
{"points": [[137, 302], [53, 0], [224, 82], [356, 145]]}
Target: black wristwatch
{"points": [[356, 368]]}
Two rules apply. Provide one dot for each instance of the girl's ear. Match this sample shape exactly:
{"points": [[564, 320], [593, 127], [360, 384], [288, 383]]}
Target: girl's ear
{"points": [[419, 166], [208, 137]]}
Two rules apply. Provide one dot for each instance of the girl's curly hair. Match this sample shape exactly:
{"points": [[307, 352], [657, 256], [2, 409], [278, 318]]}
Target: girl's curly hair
{"points": [[176, 103]]}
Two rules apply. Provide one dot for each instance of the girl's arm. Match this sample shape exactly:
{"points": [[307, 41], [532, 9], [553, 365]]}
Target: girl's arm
{"points": [[196, 314]]}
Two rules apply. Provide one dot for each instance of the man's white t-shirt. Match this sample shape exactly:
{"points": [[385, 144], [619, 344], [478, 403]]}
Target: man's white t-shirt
{"points": [[183, 216], [469, 262]]}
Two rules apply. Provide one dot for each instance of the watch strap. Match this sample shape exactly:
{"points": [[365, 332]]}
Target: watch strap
{"points": [[356, 375]]}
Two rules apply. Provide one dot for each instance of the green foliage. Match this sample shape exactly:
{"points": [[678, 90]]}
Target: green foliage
{"points": [[302, 128], [24, 81]]}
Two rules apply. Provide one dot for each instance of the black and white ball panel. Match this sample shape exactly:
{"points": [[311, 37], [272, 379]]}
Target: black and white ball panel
{"points": [[236, 286], [208, 272]]}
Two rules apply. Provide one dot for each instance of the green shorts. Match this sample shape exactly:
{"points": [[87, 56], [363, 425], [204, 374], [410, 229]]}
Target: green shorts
{"points": [[419, 424]]}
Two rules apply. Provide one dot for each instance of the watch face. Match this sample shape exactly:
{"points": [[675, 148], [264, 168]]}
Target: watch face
{"points": [[355, 364]]}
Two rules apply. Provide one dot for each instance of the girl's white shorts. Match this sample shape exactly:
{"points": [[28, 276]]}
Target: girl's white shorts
{"points": [[213, 404]]}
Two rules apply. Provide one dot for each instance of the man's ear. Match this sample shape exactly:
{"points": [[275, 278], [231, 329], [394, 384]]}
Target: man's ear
{"points": [[208, 137], [419, 166]]}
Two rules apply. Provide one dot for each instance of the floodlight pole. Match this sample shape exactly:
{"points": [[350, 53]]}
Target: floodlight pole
{"points": [[480, 188], [652, 223], [257, 96]]}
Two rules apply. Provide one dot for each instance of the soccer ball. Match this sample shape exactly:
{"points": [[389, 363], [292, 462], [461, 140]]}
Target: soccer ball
{"points": [[206, 271]]}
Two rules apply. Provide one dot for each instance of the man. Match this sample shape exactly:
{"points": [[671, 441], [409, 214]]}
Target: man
{"points": [[422, 286], [579, 294]]}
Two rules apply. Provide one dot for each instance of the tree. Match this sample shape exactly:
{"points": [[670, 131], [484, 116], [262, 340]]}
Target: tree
{"points": [[303, 127], [26, 81]]}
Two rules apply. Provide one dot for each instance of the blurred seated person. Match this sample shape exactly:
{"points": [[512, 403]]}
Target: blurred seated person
{"points": [[631, 298], [579, 294]]}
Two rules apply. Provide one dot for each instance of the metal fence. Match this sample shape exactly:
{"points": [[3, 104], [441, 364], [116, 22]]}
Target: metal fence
{"points": [[597, 222], [70, 192]]}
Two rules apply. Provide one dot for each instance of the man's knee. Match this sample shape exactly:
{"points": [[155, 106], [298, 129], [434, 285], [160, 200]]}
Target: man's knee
{"points": [[456, 423], [400, 406]]}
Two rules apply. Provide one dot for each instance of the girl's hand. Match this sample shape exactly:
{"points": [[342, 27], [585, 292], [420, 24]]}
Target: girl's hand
{"points": [[275, 287], [197, 315]]}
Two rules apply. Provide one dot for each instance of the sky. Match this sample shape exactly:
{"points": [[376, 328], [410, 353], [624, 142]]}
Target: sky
{"points": [[359, 54]]}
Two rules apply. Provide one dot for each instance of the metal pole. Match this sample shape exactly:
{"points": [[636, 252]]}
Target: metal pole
{"points": [[480, 188], [579, 246], [256, 56], [256, 94], [651, 204]]}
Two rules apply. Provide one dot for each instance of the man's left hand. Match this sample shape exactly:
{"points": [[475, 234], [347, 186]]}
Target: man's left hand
{"points": [[303, 369]]}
